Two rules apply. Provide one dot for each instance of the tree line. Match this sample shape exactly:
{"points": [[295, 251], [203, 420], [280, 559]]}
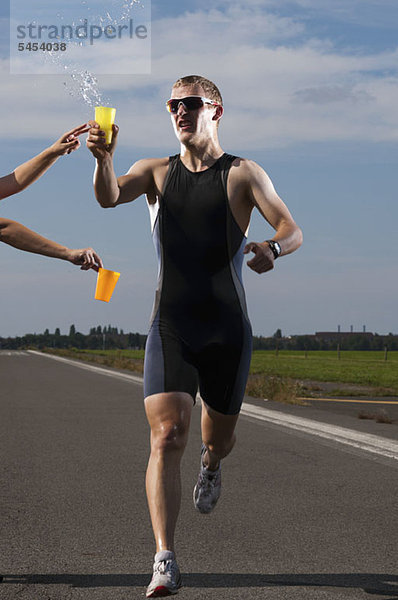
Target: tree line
{"points": [[109, 337], [100, 337], [314, 342]]}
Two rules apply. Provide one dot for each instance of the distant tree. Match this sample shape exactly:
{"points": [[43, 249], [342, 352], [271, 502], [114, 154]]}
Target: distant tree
{"points": [[134, 340], [278, 333], [80, 340], [72, 331]]}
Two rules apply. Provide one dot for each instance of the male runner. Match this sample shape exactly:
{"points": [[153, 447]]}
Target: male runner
{"points": [[200, 203], [21, 237]]}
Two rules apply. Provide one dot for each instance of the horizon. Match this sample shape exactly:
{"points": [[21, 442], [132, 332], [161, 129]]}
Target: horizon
{"points": [[121, 331]]}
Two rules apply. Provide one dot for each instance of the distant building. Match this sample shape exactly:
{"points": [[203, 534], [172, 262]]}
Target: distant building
{"points": [[335, 336]]}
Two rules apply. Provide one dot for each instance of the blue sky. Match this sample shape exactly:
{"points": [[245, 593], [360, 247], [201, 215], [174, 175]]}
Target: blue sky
{"points": [[310, 90]]}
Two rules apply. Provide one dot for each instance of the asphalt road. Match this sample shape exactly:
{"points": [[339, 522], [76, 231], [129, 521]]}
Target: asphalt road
{"points": [[383, 409], [300, 517]]}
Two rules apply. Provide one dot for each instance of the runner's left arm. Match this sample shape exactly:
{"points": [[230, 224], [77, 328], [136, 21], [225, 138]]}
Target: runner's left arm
{"points": [[287, 233]]}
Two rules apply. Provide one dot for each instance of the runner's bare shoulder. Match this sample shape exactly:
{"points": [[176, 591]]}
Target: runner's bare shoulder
{"points": [[141, 178]]}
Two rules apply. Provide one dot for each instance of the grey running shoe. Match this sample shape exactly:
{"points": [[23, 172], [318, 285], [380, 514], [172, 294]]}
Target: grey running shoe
{"points": [[166, 578], [208, 487]]}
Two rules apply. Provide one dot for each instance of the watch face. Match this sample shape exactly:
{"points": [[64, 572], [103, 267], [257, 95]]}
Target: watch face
{"points": [[277, 248]]}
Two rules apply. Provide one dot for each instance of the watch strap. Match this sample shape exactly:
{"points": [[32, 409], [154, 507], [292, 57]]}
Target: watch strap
{"points": [[275, 248]]}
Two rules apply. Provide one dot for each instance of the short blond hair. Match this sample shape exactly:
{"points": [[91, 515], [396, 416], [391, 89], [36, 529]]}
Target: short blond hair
{"points": [[210, 89]]}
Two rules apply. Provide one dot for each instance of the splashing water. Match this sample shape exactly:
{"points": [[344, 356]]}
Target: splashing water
{"points": [[81, 84], [127, 6], [84, 85]]}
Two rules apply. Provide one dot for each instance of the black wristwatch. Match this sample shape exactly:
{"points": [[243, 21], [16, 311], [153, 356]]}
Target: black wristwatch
{"points": [[275, 247]]}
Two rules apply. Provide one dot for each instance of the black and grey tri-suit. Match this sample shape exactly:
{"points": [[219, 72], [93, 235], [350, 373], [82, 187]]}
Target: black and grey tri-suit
{"points": [[200, 333]]}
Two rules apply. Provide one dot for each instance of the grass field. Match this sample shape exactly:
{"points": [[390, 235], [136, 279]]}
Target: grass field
{"points": [[273, 373], [358, 368]]}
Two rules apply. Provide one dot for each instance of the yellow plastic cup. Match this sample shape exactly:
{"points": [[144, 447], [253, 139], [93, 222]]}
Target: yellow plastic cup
{"points": [[105, 117], [106, 282]]}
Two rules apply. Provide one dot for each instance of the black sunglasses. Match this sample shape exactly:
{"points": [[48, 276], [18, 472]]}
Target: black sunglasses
{"points": [[190, 103]]}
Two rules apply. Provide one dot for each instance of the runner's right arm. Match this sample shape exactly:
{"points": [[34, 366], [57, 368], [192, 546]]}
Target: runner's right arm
{"points": [[109, 189]]}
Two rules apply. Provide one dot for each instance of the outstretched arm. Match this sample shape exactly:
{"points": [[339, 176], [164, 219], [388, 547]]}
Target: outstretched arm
{"points": [[31, 170], [109, 189], [288, 235], [21, 237]]}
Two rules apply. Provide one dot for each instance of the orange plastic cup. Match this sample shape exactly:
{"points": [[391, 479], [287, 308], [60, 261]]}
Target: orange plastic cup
{"points": [[106, 282], [105, 117]]}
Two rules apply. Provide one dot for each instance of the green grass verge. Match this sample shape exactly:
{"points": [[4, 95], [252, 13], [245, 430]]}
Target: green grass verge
{"points": [[360, 368], [132, 360], [284, 368]]}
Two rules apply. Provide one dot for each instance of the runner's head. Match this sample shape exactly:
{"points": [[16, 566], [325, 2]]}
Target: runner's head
{"points": [[201, 113]]}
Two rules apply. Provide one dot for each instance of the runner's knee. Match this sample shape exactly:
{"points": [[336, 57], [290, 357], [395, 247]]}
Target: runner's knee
{"points": [[169, 436], [222, 447]]}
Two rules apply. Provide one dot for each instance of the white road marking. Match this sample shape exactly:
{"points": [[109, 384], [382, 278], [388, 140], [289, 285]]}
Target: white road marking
{"points": [[13, 353], [362, 441], [88, 367]]}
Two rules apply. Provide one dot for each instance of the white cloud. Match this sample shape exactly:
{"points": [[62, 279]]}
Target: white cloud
{"points": [[278, 89], [367, 13], [214, 30], [328, 94], [358, 12]]}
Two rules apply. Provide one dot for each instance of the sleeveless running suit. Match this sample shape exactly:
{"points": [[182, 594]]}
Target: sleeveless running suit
{"points": [[200, 332]]}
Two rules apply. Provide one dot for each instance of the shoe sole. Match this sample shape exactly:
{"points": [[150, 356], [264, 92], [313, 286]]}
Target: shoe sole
{"points": [[161, 591]]}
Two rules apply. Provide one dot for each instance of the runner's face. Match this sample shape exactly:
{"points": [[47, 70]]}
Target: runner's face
{"points": [[190, 125]]}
